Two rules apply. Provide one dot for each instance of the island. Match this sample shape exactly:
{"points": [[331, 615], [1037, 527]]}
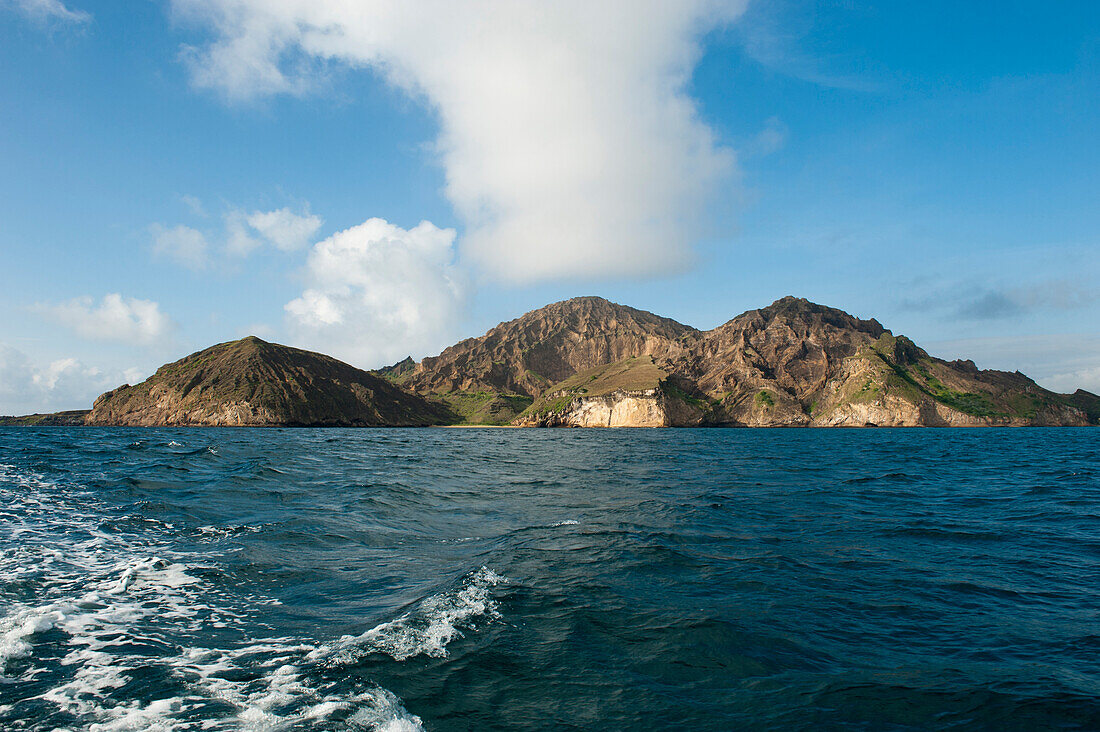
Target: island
{"points": [[589, 362]]}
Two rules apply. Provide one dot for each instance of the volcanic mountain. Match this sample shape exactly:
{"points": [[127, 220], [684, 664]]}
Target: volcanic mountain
{"points": [[793, 363], [799, 363], [494, 377], [255, 383]]}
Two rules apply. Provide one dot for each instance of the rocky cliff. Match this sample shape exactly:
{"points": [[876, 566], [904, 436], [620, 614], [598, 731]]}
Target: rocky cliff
{"points": [[254, 383]]}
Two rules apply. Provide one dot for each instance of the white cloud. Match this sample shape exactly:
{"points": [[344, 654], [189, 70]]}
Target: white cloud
{"points": [[44, 10], [239, 241], [570, 144], [770, 139], [242, 233], [66, 383], [114, 318], [194, 204], [181, 244], [377, 293], [285, 229]]}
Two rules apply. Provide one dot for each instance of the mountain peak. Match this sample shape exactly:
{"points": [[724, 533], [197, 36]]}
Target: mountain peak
{"points": [[526, 355], [791, 309]]}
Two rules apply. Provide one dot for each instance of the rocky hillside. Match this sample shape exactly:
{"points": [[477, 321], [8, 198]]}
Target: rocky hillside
{"points": [[793, 363], [796, 363], [496, 376], [255, 383]]}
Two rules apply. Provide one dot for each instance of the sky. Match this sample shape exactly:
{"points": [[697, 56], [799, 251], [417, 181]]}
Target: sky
{"points": [[382, 178]]}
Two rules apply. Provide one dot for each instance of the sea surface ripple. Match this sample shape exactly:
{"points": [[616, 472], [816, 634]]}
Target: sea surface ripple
{"points": [[268, 579]]}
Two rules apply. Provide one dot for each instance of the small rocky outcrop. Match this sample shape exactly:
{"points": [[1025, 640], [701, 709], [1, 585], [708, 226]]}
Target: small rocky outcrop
{"points": [[71, 418]]}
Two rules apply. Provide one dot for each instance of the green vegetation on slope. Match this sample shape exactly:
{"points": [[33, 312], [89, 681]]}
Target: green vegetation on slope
{"points": [[919, 376], [630, 375], [764, 398], [484, 407]]}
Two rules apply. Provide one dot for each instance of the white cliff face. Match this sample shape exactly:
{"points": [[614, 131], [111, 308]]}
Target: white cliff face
{"points": [[648, 408], [626, 410]]}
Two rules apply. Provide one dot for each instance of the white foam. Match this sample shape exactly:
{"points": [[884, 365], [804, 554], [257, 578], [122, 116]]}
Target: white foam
{"points": [[121, 601], [567, 522], [153, 717], [428, 629], [381, 710]]}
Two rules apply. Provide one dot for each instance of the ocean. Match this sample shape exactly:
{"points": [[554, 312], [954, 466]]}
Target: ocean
{"points": [[440, 579]]}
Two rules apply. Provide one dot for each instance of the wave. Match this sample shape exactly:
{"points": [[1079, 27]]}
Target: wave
{"points": [[426, 630], [108, 610]]}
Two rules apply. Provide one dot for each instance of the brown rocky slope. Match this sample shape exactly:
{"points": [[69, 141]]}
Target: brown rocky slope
{"points": [[254, 383], [793, 363], [494, 377]]}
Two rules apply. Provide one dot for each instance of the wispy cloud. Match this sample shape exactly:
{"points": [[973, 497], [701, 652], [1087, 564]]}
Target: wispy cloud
{"points": [[770, 139], [181, 244], [981, 302], [777, 35], [48, 10]]}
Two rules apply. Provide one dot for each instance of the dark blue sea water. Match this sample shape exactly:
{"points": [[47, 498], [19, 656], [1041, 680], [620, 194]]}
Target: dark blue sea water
{"points": [[219, 579]]}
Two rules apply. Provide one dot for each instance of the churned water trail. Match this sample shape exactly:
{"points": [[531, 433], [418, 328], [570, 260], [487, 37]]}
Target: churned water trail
{"points": [[221, 579]]}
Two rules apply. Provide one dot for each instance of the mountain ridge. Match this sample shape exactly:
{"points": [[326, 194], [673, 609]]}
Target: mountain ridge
{"points": [[592, 362], [791, 363]]}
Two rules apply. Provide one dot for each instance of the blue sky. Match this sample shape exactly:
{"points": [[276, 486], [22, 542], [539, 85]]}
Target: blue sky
{"points": [[176, 174]]}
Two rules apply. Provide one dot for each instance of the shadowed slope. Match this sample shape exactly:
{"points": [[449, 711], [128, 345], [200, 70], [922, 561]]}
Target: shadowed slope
{"points": [[252, 382], [526, 355]]}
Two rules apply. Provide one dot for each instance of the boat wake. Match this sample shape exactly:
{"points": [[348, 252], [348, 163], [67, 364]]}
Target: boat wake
{"points": [[109, 631]]}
